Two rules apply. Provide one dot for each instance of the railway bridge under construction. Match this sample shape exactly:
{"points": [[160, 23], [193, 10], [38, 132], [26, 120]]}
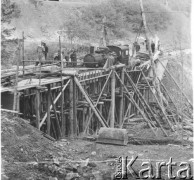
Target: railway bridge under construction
{"points": [[71, 102]]}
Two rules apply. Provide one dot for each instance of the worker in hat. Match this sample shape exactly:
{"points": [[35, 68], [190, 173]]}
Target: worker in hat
{"points": [[41, 53], [73, 57], [45, 49]]}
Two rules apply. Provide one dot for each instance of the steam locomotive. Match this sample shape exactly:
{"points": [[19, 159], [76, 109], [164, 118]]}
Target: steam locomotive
{"points": [[99, 57]]}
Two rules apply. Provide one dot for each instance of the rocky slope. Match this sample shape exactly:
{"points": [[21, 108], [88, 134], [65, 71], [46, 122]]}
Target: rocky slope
{"points": [[28, 155]]}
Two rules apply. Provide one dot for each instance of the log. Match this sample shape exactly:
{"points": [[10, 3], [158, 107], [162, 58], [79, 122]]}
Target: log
{"points": [[11, 111]]}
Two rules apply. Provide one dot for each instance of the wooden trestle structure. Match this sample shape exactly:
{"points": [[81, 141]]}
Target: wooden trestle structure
{"points": [[68, 102], [77, 101]]}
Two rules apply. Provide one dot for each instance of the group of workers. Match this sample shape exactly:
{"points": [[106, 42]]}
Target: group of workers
{"points": [[70, 57], [155, 45]]}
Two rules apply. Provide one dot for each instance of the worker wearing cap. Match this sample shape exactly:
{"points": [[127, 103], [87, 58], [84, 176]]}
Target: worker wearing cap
{"points": [[41, 54], [73, 57], [153, 46], [45, 49]]}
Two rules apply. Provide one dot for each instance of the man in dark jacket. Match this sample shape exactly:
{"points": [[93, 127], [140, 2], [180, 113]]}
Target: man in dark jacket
{"points": [[73, 57], [45, 49], [153, 47]]}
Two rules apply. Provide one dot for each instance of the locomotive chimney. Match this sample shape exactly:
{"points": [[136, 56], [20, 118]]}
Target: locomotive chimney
{"points": [[91, 49]]}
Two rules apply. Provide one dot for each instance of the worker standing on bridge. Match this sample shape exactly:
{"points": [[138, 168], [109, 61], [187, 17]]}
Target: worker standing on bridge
{"points": [[41, 53], [153, 46], [45, 49], [73, 57], [66, 56]]}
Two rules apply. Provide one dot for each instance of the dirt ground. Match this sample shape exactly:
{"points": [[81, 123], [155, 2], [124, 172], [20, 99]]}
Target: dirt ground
{"points": [[28, 155]]}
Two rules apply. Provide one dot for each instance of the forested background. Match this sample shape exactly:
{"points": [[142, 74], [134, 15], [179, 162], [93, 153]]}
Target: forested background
{"points": [[80, 22]]}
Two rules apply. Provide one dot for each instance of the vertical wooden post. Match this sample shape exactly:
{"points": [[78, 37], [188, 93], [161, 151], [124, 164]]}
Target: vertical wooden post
{"points": [[15, 103], [74, 108], [100, 109], [112, 120], [84, 118], [121, 98], [63, 119], [71, 107], [40, 72], [23, 51], [37, 107], [62, 93], [90, 118], [48, 110]]}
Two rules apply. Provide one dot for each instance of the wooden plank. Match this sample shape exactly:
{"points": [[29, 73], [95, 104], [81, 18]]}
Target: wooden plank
{"points": [[11, 111]]}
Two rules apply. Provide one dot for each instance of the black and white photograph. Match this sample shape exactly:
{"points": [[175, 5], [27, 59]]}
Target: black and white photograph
{"points": [[97, 89]]}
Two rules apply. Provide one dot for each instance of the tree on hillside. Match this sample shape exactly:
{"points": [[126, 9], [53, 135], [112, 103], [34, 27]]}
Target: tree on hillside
{"points": [[75, 28], [36, 3], [122, 17], [9, 11]]}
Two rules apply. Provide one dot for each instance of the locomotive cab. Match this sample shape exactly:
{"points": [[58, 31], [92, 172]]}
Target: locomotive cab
{"points": [[122, 53]]}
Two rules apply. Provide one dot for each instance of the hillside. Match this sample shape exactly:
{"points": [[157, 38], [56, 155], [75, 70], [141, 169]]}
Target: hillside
{"points": [[43, 20], [81, 22], [38, 24]]}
